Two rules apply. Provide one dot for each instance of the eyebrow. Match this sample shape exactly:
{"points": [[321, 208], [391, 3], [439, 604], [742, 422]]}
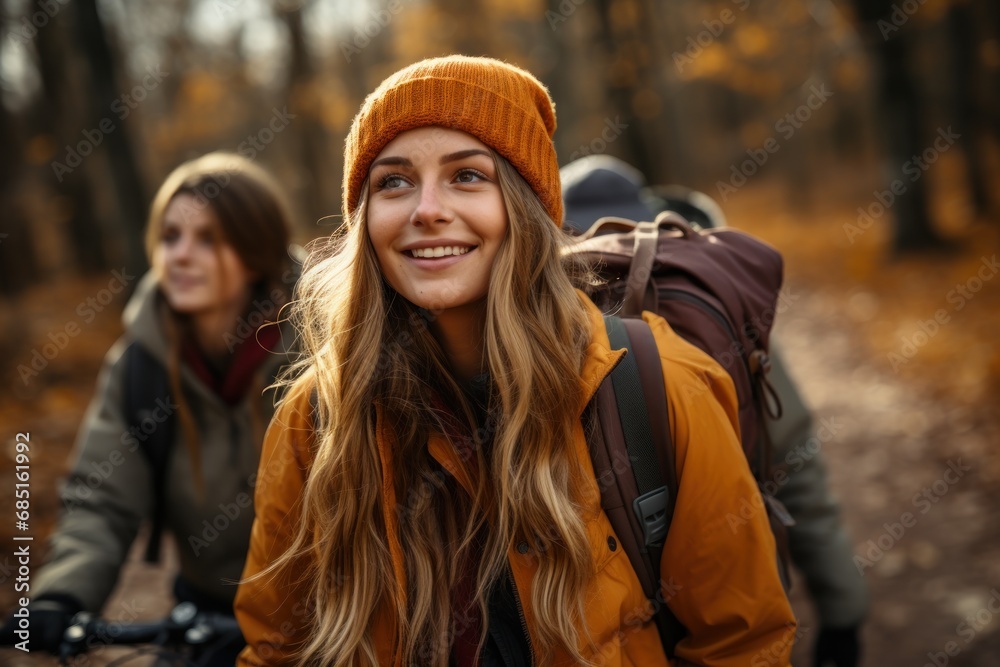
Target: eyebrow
{"points": [[445, 159]]}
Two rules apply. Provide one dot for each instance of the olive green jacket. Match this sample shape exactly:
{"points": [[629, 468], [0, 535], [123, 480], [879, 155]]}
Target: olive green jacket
{"points": [[109, 491], [819, 543]]}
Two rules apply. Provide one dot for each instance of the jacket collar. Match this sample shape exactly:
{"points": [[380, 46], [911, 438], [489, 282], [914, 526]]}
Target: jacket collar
{"points": [[143, 323], [599, 360]]}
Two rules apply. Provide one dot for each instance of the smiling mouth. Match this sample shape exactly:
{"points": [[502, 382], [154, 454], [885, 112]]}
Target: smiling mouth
{"points": [[185, 282], [438, 251]]}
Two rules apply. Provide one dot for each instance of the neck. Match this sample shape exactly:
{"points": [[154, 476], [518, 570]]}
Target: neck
{"points": [[460, 333], [211, 328]]}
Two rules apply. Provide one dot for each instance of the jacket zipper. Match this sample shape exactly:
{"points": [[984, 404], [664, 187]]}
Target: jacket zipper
{"points": [[520, 614], [713, 311]]}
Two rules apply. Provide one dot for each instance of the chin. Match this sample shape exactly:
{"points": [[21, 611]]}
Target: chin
{"points": [[439, 304], [185, 306]]}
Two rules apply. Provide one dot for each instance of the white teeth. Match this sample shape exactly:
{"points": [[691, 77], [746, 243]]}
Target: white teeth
{"points": [[439, 251]]}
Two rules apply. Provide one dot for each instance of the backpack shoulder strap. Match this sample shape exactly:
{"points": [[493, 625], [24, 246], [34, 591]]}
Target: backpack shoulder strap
{"points": [[146, 388], [634, 427]]}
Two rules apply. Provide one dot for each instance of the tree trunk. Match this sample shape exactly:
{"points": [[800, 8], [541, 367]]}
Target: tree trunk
{"points": [[901, 115], [309, 134], [62, 96], [968, 103], [641, 141], [125, 173], [18, 264]]}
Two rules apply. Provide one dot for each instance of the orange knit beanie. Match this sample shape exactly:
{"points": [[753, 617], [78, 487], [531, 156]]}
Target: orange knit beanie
{"points": [[503, 106]]}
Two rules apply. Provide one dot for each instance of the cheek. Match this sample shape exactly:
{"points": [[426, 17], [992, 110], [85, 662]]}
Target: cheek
{"points": [[380, 236], [230, 271]]}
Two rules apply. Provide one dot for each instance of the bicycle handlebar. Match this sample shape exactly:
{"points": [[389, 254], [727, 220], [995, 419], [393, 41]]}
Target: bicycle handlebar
{"points": [[184, 626]]}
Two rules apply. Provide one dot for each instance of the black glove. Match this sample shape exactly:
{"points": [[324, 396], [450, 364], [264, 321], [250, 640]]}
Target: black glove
{"points": [[47, 620], [839, 647]]}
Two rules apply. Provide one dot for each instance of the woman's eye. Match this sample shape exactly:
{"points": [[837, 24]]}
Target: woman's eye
{"points": [[390, 181], [470, 176], [169, 237]]}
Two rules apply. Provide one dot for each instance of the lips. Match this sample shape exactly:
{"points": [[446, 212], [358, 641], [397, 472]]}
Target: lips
{"points": [[185, 282]]}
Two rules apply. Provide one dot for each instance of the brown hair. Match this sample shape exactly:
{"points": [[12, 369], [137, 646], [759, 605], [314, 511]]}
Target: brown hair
{"points": [[254, 218], [248, 203]]}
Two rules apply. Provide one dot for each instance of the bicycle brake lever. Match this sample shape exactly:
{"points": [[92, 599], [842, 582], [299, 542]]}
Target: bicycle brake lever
{"points": [[75, 636]]}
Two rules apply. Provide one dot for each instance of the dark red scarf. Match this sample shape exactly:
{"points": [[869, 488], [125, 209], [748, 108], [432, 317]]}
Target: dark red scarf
{"points": [[247, 357]]}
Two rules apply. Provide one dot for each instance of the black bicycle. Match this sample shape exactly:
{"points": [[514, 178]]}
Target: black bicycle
{"points": [[186, 637]]}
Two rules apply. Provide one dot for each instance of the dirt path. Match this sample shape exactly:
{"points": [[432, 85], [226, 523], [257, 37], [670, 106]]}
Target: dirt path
{"points": [[931, 582]]}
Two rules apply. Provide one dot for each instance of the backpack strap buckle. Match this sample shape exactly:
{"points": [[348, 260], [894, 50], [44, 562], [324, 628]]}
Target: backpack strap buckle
{"points": [[651, 511]]}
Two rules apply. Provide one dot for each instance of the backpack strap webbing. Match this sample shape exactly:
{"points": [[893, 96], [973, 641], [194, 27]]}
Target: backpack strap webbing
{"points": [[146, 388], [639, 413]]}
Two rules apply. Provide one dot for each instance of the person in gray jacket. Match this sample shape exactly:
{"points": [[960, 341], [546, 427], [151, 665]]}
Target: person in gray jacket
{"points": [[218, 244], [601, 185]]}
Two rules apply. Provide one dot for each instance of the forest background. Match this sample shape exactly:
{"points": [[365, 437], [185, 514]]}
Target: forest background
{"points": [[861, 139]]}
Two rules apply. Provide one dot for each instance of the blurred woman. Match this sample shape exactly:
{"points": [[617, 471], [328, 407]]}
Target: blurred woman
{"points": [[174, 431]]}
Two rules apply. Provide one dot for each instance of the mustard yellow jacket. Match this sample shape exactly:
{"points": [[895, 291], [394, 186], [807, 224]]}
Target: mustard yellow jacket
{"points": [[719, 575]]}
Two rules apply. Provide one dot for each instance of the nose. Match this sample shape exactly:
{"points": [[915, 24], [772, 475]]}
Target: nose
{"points": [[432, 207]]}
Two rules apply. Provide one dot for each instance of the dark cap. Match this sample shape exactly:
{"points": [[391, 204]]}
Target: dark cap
{"points": [[599, 185]]}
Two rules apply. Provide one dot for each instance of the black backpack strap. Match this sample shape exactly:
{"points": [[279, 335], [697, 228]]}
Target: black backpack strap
{"points": [[147, 389], [642, 417]]}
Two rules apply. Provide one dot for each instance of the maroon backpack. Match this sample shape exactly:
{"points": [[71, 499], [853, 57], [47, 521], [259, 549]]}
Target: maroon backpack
{"points": [[718, 289]]}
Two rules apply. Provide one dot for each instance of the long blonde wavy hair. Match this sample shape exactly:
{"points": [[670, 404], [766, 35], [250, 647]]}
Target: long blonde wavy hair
{"points": [[365, 346]]}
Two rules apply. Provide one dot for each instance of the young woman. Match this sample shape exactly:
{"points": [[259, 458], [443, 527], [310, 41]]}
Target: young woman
{"points": [[217, 240], [426, 496]]}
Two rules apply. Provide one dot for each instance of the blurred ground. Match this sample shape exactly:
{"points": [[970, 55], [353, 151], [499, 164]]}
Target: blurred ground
{"points": [[847, 311]]}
